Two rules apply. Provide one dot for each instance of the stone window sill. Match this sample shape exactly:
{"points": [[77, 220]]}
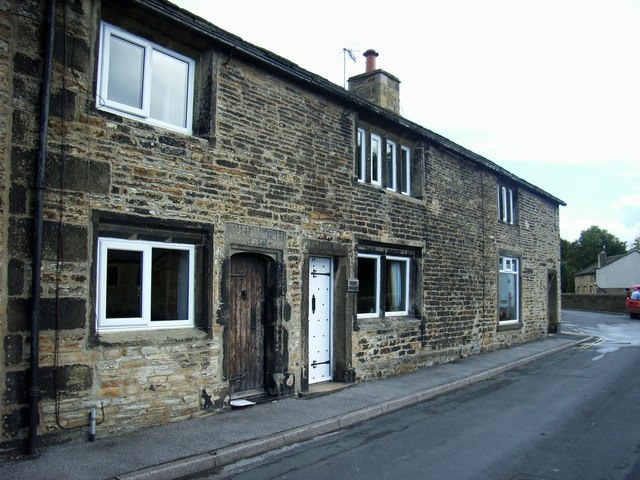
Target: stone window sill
{"points": [[510, 326]]}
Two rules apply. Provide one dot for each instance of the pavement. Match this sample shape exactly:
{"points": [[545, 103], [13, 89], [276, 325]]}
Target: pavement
{"points": [[209, 442]]}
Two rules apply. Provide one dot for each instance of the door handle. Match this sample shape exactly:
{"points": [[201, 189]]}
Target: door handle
{"points": [[313, 304]]}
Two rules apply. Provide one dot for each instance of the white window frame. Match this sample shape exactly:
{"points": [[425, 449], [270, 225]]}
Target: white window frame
{"points": [[405, 260], [379, 307], [510, 266], [405, 161], [144, 322], [377, 174], [506, 205], [390, 150], [376, 312], [102, 101], [363, 154]]}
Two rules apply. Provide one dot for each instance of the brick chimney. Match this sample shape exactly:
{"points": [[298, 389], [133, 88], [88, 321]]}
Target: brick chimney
{"points": [[376, 86]]}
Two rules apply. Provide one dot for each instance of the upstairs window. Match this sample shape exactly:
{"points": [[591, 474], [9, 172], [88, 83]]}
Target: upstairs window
{"points": [[390, 166], [405, 171], [383, 162], [506, 205], [375, 159], [142, 80], [361, 153]]}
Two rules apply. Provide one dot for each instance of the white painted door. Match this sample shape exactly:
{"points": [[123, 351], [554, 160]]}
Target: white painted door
{"points": [[320, 319]]}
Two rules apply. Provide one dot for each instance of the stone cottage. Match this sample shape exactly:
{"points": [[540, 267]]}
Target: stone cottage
{"points": [[610, 273], [189, 219]]}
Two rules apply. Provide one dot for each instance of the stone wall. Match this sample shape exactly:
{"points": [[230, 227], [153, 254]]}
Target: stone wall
{"points": [[599, 302]]}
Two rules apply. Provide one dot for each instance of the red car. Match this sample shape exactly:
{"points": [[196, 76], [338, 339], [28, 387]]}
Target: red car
{"points": [[633, 301]]}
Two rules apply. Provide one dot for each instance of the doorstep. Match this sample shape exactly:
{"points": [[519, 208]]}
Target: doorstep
{"points": [[253, 396], [324, 388]]}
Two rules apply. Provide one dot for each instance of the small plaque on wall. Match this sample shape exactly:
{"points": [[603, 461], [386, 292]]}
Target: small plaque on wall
{"points": [[353, 285]]}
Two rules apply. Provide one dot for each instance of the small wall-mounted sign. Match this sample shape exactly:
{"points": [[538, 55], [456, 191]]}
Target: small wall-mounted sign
{"points": [[353, 285]]}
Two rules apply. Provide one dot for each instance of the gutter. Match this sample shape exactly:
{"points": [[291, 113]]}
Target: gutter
{"points": [[34, 391]]}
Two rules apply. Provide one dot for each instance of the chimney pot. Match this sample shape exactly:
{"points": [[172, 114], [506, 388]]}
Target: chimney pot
{"points": [[370, 55]]}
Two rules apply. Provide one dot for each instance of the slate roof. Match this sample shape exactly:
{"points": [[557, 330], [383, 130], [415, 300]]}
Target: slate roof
{"points": [[238, 47], [591, 269]]}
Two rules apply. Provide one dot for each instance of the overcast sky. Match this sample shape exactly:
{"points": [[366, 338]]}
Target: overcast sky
{"points": [[548, 89]]}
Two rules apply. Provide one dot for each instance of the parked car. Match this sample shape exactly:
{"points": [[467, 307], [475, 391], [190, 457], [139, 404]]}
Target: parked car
{"points": [[633, 301]]}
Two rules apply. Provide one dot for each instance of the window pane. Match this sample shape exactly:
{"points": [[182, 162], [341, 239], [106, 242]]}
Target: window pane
{"points": [[375, 159], [169, 88], [124, 299], [508, 296], [359, 155], [367, 276], [510, 206], [169, 284], [405, 178], [126, 72], [390, 167], [396, 298]]}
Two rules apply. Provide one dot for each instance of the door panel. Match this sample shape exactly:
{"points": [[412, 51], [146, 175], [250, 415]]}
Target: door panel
{"points": [[320, 319], [247, 301]]}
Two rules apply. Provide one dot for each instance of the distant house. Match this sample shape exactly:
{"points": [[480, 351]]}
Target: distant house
{"points": [[612, 274], [194, 219]]}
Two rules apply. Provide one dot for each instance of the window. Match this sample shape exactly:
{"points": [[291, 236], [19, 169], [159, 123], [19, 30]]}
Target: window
{"points": [[405, 171], [144, 284], [509, 290], [362, 156], [143, 80], [383, 162], [390, 166], [369, 293], [397, 286], [375, 156], [506, 205], [383, 276]]}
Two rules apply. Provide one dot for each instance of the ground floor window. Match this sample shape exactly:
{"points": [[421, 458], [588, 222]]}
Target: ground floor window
{"points": [[144, 284], [384, 285], [509, 290], [150, 273]]}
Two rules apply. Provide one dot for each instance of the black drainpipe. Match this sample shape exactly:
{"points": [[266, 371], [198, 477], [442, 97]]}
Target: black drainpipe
{"points": [[34, 391]]}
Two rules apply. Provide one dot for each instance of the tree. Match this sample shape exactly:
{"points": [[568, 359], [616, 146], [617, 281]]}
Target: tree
{"points": [[567, 266], [584, 252], [636, 243], [592, 241]]}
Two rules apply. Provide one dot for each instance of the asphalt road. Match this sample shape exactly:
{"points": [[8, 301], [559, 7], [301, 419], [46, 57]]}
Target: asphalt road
{"points": [[573, 415]]}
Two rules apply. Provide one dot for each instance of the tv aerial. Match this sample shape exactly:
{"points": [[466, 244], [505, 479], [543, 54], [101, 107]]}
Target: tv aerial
{"points": [[347, 52]]}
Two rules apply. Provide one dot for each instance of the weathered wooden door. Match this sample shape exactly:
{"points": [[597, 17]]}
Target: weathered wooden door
{"points": [[247, 303], [320, 320]]}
